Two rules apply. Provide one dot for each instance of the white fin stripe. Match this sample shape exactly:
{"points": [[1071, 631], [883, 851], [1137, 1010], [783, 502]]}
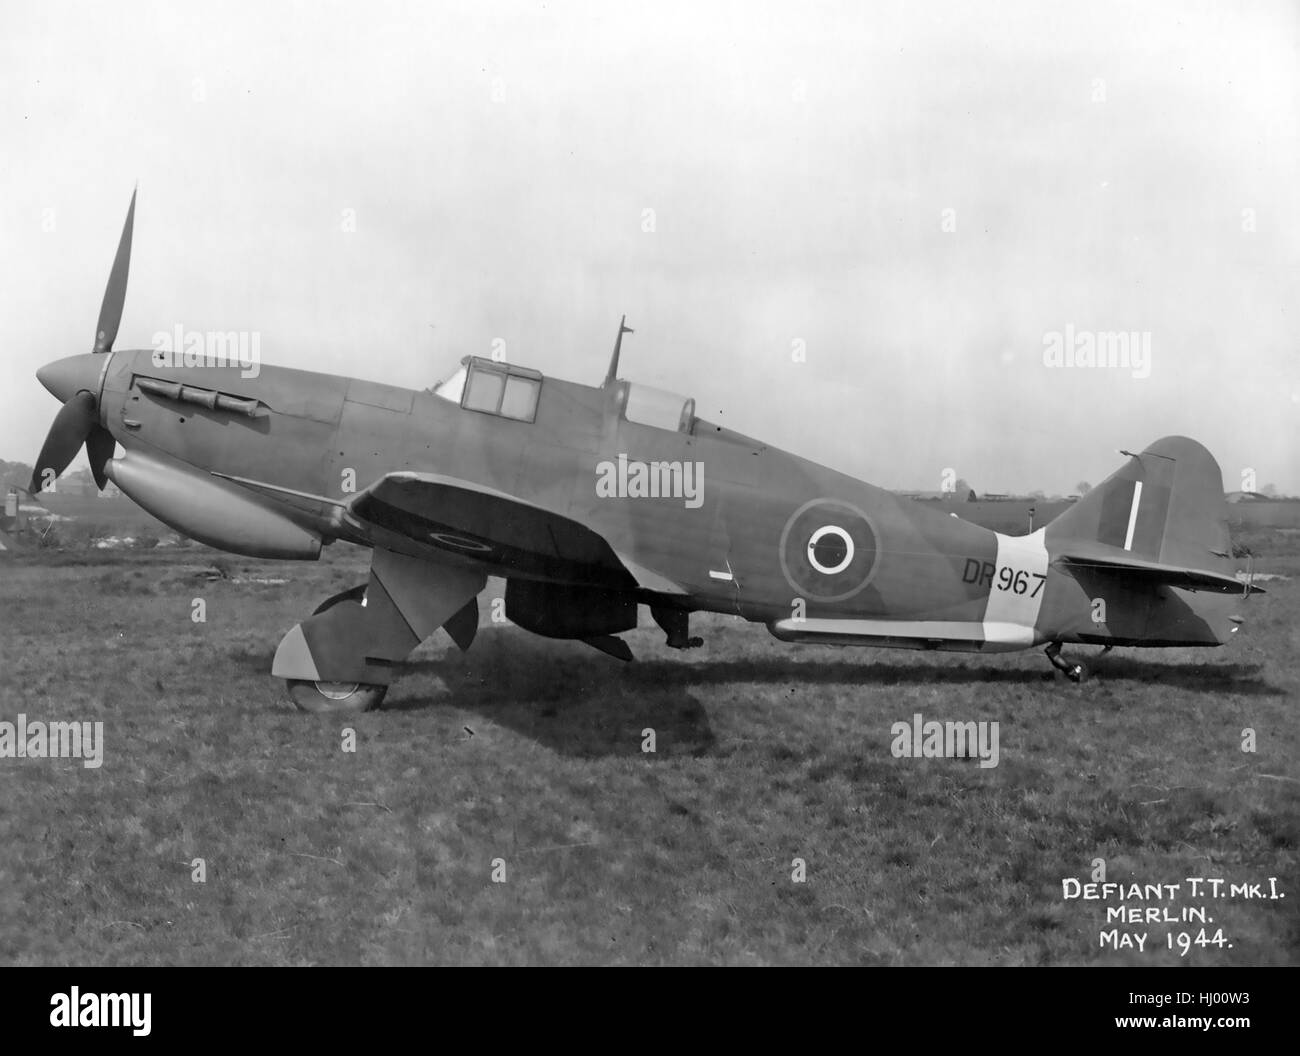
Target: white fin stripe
{"points": [[1133, 515]]}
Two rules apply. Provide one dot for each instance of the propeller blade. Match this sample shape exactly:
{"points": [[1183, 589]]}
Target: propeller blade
{"points": [[72, 425], [99, 449], [110, 312]]}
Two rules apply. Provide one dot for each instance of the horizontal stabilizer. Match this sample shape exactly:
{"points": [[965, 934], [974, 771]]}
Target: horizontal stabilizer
{"points": [[1157, 573]]}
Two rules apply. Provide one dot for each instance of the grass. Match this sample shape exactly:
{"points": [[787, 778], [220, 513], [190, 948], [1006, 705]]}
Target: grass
{"points": [[530, 751]]}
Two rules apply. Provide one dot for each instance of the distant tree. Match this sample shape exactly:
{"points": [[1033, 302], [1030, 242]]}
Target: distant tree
{"points": [[962, 488], [1270, 490], [1083, 487], [17, 473], [1038, 494]]}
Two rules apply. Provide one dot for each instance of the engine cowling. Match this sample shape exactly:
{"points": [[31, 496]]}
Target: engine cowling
{"points": [[559, 611]]}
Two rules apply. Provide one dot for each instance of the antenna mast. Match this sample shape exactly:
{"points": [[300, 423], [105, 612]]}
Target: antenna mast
{"points": [[623, 328]]}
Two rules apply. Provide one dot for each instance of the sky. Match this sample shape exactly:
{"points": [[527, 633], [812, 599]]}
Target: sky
{"points": [[853, 230]]}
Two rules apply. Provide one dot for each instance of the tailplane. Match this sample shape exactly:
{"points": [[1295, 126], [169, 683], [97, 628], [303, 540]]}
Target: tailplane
{"points": [[1158, 522]]}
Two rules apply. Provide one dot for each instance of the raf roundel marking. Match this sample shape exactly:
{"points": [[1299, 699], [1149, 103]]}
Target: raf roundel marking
{"points": [[828, 550], [843, 549]]}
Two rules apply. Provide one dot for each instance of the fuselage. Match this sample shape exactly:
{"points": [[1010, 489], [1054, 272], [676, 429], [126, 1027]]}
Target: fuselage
{"points": [[723, 521]]}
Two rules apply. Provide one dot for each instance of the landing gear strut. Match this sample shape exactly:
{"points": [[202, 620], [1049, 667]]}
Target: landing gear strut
{"points": [[676, 625], [343, 657], [1072, 670]]}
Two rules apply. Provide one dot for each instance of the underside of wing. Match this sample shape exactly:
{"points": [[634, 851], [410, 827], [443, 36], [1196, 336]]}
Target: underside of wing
{"points": [[513, 536]]}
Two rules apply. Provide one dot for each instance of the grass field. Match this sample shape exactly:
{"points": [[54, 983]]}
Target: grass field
{"points": [[530, 751]]}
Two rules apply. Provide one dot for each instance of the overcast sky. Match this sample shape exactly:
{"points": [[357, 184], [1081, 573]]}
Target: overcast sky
{"points": [[1107, 167]]}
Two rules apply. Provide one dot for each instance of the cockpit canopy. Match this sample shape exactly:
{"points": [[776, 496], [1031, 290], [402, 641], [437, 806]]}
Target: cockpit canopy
{"points": [[508, 391], [493, 388], [659, 408]]}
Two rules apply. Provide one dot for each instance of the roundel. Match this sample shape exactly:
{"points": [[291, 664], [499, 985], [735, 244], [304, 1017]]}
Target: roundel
{"points": [[828, 550]]}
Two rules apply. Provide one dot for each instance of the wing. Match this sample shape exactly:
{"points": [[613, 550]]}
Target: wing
{"points": [[510, 534]]}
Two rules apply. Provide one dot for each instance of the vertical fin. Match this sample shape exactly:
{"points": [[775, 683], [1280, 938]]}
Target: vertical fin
{"points": [[1164, 505]]}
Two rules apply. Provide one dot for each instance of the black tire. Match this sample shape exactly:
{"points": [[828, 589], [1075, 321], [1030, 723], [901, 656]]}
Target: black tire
{"points": [[334, 698]]}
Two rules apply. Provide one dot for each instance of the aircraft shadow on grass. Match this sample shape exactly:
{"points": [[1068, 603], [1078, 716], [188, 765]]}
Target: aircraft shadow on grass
{"points": [[592, 714], [503, 661], [594, 707]]}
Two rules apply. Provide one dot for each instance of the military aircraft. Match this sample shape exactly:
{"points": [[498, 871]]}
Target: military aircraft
{"points": [[592, 501]]}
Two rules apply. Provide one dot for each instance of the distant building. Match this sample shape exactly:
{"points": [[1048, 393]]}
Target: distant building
{"points": [[930, 496]]}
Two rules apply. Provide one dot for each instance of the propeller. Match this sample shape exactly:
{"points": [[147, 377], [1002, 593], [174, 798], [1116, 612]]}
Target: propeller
{"points": [[99, 449], [71, 428], [75, 380], [110, 311]]}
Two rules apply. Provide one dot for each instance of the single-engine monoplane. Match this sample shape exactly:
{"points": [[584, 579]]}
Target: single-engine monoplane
{"points": [[594, 500]]}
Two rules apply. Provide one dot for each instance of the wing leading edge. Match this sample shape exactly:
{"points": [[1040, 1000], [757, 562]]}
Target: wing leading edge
{"points": [[513, 535]]}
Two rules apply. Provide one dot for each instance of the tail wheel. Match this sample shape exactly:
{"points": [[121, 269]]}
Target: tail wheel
{"points": [[325, 698]]}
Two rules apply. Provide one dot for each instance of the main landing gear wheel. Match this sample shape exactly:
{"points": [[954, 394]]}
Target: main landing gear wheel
{"points": [[1072, 669], [324, 698]]}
